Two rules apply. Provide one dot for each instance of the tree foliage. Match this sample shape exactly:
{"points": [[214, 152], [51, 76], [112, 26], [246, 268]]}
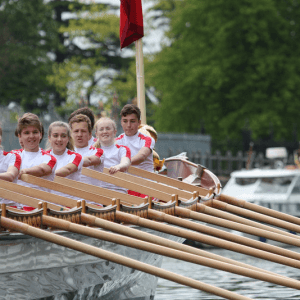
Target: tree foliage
{"points": [[27, 35], [228, 63], [94, 56]]}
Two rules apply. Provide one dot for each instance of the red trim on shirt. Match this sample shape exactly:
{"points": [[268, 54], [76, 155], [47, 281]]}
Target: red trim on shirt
{"points": [[77, 158], [120, 137], [147, 140], [47, 151], [128, 152], [95, 140], [18, 159], [52, 161], [99, 152]]}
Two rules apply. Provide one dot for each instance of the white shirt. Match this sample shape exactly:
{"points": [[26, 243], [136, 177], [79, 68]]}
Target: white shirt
{"points": [[8, 159], [62, 160], [66, 158], [92, 141], [113, 156], [135, 143], [88, 151], [32, 159]]}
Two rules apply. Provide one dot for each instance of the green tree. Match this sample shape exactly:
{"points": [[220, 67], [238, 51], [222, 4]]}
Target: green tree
{"points": [[27, 36], [226, 62], [94, 57]]}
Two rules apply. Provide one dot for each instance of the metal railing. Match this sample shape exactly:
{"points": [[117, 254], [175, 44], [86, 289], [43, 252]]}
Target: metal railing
{"points": [[224, 165]]}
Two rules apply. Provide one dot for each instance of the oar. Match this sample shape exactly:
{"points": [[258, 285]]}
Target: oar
{"points": [[99, 191], [167, 180], [186, 213], [144, 236], [217, 208], [264, 218], [259, 209], [183, 195], [63, 189], [91, 220], [130, 242], [215, 221], [29, 201], [116, 258], [38, 194], [127, 184], [240, 239], [196, 236], [34, 203]]}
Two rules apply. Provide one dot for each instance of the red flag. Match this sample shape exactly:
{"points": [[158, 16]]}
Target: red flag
{"points": [[131, 22]]}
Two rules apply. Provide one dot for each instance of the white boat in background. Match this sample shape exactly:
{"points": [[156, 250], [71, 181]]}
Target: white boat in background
{"points": [[277, 188]]}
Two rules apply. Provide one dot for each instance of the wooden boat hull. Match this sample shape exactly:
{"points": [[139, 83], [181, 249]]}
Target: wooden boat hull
{"points": [[34, 269]]}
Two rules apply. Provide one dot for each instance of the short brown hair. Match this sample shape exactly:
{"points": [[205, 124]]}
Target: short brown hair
{"points": [[84, 111], [29, 119], [81, 118], [129, 109]]}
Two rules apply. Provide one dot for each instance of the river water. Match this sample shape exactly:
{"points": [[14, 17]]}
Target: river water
{"points": [[249, 287]]}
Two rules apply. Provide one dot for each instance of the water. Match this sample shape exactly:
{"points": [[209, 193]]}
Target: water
{"points": [[249, 287]]}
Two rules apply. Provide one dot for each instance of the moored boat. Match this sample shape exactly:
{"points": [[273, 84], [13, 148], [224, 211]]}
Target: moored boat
{"points": [[275, 186]]}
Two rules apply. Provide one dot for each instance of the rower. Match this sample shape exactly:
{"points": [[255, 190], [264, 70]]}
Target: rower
{"points": [[35, 161], [69, 162], [89, 113], [117, 157], [81, 129], [140, 145]]}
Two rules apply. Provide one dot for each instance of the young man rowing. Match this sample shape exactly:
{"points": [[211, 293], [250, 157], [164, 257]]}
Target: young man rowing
{"points": [[140, 145]]}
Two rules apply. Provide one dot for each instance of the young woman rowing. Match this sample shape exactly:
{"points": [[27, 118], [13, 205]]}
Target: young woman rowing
{"points": [[117, 158], [69, 163]]}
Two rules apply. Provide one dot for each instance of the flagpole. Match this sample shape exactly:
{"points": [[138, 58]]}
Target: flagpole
{"points": [[140, 79]]}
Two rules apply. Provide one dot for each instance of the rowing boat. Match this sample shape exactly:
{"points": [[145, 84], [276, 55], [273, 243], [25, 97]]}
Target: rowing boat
{"points": [[47, 268], [31, 268]]}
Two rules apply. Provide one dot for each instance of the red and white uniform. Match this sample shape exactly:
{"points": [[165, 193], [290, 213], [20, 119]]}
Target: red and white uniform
{"points": [[66, 158], [62, 160], [32, 159], [113, 156], [135, 143], [88, 151], [8, 159], [92, 141]]}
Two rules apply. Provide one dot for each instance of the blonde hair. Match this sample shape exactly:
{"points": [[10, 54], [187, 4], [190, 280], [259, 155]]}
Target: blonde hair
{"points": [[98, 144], [70, 144]]}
